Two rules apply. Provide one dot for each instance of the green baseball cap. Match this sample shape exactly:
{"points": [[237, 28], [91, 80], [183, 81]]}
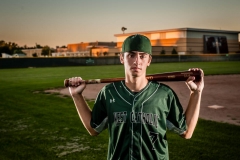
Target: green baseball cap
{"points": [[137, 42]]}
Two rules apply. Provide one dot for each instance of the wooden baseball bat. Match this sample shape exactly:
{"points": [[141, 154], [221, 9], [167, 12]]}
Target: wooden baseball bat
{"points": [[167, 76]]}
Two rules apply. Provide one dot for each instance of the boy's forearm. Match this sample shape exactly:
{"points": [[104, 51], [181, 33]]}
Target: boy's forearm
{"points": [[84, 113], [192, 113]]}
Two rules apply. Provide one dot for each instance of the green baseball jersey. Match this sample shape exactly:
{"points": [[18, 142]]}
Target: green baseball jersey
{"points": [[137, 122]]}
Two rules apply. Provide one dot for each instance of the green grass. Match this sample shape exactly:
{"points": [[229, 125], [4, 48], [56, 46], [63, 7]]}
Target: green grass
{"points": [[44, 126]]}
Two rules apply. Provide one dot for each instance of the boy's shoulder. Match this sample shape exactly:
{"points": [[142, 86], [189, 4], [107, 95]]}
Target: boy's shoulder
{"points": [[161, 85]]}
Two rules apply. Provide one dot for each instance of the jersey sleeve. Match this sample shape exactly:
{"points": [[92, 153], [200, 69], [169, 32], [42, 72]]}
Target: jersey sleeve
{"points": [[99, 120], [176, 120]]}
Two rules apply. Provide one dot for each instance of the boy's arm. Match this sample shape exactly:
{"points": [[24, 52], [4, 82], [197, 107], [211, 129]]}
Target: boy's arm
{"points": [[82, 107], [193, 108]]}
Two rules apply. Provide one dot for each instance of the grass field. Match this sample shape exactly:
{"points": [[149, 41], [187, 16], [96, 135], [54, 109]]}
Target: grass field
{"points": [[36, 125]]}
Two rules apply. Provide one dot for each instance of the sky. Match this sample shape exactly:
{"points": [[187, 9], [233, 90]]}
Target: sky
{"points": [[61, 22]]}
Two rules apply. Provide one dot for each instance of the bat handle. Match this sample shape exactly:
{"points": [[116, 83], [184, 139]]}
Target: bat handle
{"points": [[90, 81], [67, 83]]}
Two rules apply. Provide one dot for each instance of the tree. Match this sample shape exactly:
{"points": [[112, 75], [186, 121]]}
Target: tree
{"points": [[18, 51], [4, 47], [163, 51], [123, 29], [46, 51], [8, 47], [174, 51], [105, 53], [2, 42], [38, 46], [34, 54], [98, 54]]}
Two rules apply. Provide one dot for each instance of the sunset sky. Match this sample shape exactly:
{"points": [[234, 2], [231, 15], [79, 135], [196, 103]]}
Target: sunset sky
{"points": [[61, 22]]}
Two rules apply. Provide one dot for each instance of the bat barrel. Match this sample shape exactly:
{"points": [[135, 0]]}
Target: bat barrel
{"points": [[175, 76]]}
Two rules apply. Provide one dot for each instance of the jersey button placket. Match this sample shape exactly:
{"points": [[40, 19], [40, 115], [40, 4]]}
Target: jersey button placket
{"points": [[135, 127]]}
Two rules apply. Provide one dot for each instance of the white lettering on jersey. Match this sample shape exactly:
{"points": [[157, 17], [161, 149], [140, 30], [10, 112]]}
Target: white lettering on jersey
{"points": [[145, 118], [120, 117], [153, 136]]}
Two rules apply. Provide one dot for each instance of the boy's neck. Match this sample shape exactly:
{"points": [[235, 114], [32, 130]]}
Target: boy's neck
{"points": [[136, 84]]}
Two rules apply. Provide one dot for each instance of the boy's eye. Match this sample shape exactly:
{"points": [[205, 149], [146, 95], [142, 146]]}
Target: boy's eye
{"points": [[131, 55]]}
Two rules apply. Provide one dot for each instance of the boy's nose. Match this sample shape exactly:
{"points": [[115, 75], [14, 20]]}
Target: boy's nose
{"points": [[136, 60]]}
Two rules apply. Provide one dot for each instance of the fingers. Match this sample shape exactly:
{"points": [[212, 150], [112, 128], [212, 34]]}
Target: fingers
{"points": [[201, 73], [196, 69], [190, 83], [75, 81], [193, 83], [76, 86]]}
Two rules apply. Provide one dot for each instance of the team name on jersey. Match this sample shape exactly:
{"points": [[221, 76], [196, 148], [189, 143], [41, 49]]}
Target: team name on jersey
{"points": [[145, 118], [136, 117], [120, 117]]}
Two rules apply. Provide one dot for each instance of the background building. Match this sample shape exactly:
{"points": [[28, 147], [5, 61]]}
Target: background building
{"points": [[93, 49], [189, 41], [180, 40], [31, 52]]}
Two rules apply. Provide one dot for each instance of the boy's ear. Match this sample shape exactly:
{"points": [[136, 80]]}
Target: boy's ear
{"points": [[149, 61], [122, 58]]}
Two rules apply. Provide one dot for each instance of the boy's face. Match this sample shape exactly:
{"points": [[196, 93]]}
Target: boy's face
{"points": [[135, 63]]}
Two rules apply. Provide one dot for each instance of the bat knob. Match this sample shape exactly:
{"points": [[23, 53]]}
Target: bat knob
{"points": [[66, 83]]}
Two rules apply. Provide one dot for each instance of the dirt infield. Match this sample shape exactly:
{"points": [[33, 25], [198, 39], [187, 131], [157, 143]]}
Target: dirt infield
{"points": [[220, 99]]}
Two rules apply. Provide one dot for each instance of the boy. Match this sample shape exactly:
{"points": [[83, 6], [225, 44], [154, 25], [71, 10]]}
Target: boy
{"points": [[137, 112]]}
